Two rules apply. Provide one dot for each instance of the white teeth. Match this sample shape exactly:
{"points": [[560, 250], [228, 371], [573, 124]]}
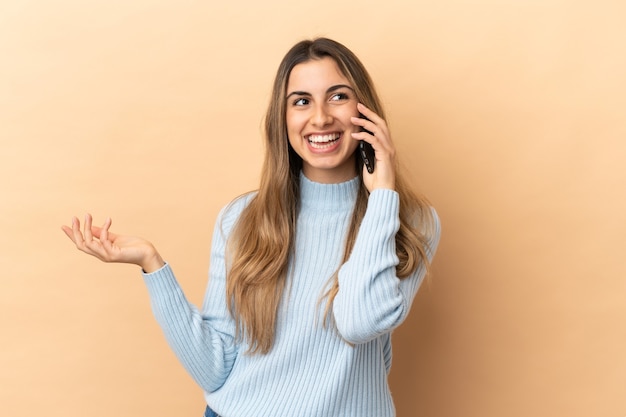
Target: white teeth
{"points": [[323, 141], [323, 138]]}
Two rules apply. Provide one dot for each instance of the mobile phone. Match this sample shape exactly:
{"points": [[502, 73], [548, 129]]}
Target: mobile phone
{"points": [[367, 154], [367, 151]]}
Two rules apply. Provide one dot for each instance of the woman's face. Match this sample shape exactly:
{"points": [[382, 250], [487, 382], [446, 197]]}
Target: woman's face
{"points": [[320, 103]]}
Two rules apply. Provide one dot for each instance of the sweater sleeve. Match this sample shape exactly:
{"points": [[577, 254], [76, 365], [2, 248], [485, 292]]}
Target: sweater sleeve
{"points": [[372, 300], [203, 340]]}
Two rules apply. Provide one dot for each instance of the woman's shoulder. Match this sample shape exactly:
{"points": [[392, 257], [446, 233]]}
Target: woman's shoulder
{"points": [[230, 212]]}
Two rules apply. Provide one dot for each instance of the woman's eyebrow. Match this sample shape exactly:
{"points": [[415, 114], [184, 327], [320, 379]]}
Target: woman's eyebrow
{"points": [[298, 93], [329, 90], [338, 87]]}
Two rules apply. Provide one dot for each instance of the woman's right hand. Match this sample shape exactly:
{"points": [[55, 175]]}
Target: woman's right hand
{"points": [[110, 247]]}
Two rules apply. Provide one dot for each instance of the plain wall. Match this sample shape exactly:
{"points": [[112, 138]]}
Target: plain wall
{"points": [[508, 115]]}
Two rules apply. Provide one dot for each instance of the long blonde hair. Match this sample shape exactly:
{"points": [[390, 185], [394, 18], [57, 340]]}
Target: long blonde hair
{"points": [[262, 240]]}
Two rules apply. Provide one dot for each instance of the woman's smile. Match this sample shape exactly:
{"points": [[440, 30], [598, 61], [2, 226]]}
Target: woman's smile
{"points": [[323, 142]]}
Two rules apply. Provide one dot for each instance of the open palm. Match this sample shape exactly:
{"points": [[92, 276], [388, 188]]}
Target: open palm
{"points": [[111, 247]]}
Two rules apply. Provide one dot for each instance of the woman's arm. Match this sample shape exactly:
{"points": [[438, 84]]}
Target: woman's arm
{"points": [[372, 300], [202, 341]]}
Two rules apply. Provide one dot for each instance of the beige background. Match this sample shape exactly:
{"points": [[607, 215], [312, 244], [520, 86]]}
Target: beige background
{"points": [[509, 115]]}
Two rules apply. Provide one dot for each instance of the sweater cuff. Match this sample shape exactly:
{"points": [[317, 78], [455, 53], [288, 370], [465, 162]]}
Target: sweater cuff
{"points": [[161, 282]]}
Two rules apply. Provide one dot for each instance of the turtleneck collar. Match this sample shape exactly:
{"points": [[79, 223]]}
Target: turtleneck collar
{"points": [[320, 196]]}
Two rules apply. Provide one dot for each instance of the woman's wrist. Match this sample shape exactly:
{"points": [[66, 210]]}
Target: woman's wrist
{"points": [[152, 263]]}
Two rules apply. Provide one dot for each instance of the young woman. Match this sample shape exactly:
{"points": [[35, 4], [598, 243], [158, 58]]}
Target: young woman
{"points": [[309, 274]]}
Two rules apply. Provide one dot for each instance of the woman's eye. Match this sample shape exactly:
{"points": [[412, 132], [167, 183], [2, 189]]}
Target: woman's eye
{"points": [[301, 102], [339, 96]]}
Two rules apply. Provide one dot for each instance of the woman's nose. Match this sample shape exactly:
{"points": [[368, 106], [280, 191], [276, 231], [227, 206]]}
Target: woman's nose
{"points": [[321, 116]]}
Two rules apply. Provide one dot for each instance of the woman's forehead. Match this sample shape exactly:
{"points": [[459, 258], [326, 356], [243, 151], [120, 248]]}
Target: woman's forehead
{"points": [[316, 75]]}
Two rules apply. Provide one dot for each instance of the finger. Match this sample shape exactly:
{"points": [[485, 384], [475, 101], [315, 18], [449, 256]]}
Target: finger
{"points": [[91, 245], [377, 125], [87, 228], [78, 238], [365, 136], [104, 233], [97, 231], [366, 125], [76, 233], [107, 241], [379, 142], [369, 114], [68, 232], [369, 132]]}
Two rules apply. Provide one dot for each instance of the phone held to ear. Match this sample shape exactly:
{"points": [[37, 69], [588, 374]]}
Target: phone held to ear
{"points": [[367, 154], [367, 151]]}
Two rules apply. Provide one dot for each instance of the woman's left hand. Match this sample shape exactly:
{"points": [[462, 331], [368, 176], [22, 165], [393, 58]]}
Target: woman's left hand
{"points": [[384, 174]]}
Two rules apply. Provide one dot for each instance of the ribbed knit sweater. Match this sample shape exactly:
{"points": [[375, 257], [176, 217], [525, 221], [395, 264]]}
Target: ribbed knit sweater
{"points": [[312, 370]]}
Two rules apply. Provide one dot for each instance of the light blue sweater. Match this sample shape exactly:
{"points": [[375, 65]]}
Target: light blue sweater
{"points": [[310, 371]]}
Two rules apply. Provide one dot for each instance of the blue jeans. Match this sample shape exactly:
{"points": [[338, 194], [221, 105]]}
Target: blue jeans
{"points": [[209, 413]]}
